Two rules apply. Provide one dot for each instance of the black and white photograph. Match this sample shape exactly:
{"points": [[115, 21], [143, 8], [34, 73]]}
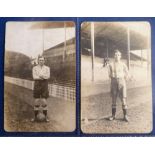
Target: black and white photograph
{"points": [[40, 76], [116, 84]]}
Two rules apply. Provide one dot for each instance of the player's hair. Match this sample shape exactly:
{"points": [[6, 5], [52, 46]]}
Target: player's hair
{"points": [[40, 56], [117, 51]]}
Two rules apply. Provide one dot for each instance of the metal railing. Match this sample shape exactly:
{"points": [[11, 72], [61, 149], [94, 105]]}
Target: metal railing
{"points": [[64, 92]]}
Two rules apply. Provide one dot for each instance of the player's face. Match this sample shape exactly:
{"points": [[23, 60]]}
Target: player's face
{"points": [[117, 56], [41, 61]]}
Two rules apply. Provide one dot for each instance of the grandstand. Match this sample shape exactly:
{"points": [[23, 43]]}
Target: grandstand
{"points": [[63, 69], [99, 39], [60, 57]]}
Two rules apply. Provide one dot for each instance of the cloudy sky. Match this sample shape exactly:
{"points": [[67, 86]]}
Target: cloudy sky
{"points": [[21, 38]]}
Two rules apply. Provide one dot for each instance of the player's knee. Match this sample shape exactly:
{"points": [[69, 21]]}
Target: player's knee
{"points": [[36, 103], [124, 106], [43, 100], [113, 106], [114, 101], [44, 105], [36, 100]]}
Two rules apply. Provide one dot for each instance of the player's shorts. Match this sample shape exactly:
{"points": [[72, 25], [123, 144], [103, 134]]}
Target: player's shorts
{"points": [[40, 89], [118, 87]]}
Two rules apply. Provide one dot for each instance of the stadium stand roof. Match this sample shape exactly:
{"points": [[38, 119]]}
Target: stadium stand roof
{"points": [[116, 34], [52, 25], [68, 42]]}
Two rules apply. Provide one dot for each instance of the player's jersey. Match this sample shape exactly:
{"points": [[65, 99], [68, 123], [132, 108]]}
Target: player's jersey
{"points": [[41, 71], [117, 70]]}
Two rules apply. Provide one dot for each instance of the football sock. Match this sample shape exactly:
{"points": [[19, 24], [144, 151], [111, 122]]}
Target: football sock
{"points": [[45, 112], [113, 112]]}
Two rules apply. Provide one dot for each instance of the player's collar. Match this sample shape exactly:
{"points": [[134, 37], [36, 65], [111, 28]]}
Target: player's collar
{"points": [[41, 66]]}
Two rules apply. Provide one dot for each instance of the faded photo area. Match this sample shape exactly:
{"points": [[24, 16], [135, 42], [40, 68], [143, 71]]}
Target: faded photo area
{"points": [[116, 87], [40, 77]]}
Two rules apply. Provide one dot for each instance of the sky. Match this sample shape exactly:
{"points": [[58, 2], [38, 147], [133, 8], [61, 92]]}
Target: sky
{"points": [[140, 27], [21, 38]]}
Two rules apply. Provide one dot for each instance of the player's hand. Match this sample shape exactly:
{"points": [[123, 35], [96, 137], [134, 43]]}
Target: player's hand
{"points": [[41, 77]]}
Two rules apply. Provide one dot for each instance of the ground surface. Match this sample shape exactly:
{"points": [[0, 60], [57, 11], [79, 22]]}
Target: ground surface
{"points": [[19, 111], [97, 108]]}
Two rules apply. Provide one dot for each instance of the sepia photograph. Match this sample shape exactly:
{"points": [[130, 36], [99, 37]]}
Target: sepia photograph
{"points": [[116, 83], [40, 76]]}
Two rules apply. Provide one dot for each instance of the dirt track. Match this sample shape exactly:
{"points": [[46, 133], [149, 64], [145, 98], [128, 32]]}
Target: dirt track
{"points": [[97, 109], [19, 111]]}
